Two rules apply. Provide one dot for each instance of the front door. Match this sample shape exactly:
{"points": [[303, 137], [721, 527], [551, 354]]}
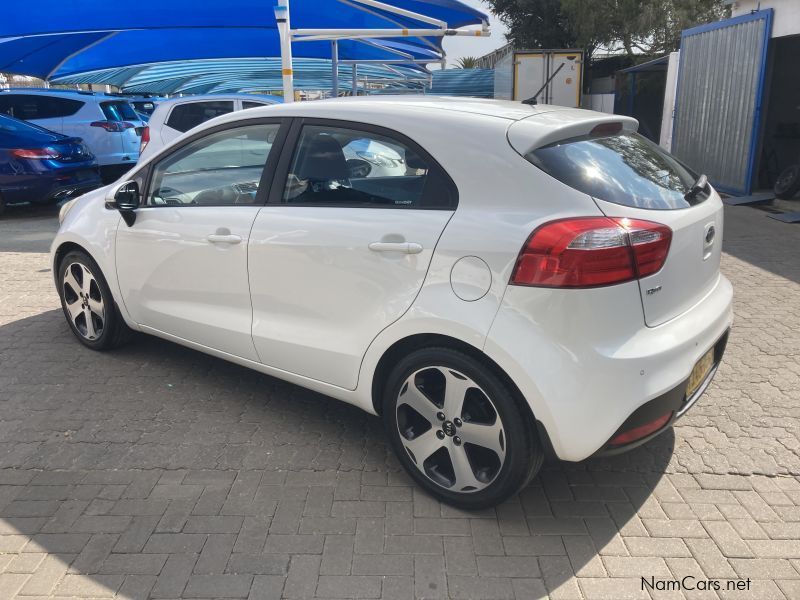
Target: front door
{"points": [[182, 266], [342, 250]]}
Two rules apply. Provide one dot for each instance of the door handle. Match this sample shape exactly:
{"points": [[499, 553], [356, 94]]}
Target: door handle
{"points": [[404, 247], [218, 238]]}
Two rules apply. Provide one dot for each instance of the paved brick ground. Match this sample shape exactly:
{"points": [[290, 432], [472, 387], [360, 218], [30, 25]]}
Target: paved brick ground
{"points": [[156, 471]]}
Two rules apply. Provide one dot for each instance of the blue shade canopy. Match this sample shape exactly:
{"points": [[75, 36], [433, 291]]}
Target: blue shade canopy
{"points": [[53, 38], [233, 75]]}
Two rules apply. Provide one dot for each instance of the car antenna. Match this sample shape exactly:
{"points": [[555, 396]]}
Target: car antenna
{"points": [[533, 101]]}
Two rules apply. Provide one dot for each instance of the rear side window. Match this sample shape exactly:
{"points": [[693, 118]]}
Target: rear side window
{"points": [[31, 106], [248, 104], [336, 166], [118, 111], [625, 169], [185, 116]]}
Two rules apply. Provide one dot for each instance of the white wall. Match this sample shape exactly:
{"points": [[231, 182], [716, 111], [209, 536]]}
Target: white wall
{"points": [[785, 17], [670, 91], [599, 102]]}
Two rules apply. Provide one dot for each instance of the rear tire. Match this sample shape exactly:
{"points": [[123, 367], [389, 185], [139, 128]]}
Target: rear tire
{"points": [[788, 183], [88, 306], [458, 430]]}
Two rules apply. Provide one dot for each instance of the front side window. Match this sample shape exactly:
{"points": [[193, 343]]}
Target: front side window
{"points": [[221, 169], [186, 116], [335, 166], [626, 169]]}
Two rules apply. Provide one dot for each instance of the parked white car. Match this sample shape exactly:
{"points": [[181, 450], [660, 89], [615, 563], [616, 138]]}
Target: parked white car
{"points": [[108, 125], [172, 118], [538, 279]]}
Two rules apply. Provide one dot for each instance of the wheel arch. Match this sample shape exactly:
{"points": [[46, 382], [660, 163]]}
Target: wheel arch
{"points": [[61, 251], [414, 342]]}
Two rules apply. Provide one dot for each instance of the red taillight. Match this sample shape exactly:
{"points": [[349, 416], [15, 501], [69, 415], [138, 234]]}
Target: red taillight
{"points": [[605, 129], [145, 139], [114, 126], [41, 153], [638, 433], [591, 252]]}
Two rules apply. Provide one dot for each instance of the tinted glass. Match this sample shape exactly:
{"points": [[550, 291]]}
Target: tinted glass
{"points": [[119, 111], [185, 116], [626, 169], [221, 169], [30, 106], [248, 104], [346, 167]]}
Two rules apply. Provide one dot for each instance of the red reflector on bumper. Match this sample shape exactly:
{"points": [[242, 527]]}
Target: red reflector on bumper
{"points": [[638, 433]]}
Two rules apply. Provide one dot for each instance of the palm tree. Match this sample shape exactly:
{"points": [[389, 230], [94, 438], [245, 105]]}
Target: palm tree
{"points": [[467, 62]]}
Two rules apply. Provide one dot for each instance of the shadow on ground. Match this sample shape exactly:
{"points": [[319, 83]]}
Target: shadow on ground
{"points": [[28, 227], [752, 236], [156, 456]]}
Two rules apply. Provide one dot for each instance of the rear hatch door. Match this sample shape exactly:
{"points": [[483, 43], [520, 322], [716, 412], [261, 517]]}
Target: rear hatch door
{"points": [[629, 176], [692, 267]]}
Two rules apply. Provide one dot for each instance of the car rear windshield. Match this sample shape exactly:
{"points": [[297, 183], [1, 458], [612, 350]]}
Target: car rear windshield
{"points": [[119, 111], [626, 169]]}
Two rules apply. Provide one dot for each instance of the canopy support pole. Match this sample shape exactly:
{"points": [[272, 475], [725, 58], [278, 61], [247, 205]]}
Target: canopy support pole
{"points": [[355, 79], [284, 32], [335, 68]]}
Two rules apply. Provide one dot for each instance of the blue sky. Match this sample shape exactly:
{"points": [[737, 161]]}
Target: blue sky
{"points": [[457, 46]]}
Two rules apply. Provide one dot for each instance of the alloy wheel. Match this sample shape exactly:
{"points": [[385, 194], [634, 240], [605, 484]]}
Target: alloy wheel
{"points": [[451, 429], [84, 301]]}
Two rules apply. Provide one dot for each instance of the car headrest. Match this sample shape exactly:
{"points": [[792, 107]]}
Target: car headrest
{"points": [[322, 159], [414, 160]]}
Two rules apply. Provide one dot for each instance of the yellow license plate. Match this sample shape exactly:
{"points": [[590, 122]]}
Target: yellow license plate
{"points": [[699, 373]]}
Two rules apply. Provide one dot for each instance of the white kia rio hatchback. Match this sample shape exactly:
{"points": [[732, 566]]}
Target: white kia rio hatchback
{"points": [[496, 281]]}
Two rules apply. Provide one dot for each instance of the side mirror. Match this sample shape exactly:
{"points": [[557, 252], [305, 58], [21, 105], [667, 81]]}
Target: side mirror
{"points": [[126, 199]]}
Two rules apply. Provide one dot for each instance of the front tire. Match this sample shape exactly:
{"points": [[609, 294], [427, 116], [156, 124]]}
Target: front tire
{"points": [[88, 306], [458, 430]]}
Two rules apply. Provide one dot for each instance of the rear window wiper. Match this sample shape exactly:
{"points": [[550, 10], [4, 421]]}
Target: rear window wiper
{"points": [[701, 185]]}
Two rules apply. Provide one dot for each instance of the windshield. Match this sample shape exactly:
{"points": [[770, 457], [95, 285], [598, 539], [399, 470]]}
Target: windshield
{"points": [[626, 169]]}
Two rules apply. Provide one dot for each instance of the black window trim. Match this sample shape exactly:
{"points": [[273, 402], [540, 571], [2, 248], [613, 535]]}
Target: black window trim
{"points": [[290, 146], [267, 173]]}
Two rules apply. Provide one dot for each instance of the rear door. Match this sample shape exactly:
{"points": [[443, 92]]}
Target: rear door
{"points": [[630, 176], [342, 248]]}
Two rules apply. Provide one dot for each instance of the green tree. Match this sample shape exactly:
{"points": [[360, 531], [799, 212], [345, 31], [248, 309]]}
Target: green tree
{"points": [[633, 26], [467, 62], [535, 23]]}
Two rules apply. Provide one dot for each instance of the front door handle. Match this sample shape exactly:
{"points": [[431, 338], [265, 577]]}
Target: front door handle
{"points": [[219, 238], [404, 247]]}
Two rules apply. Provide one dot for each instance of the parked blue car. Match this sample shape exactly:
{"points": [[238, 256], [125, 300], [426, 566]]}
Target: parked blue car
{"points": [[40, 166]]}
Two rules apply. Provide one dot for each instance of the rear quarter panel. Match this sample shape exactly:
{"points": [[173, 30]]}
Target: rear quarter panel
{"points": [[502, 199]]}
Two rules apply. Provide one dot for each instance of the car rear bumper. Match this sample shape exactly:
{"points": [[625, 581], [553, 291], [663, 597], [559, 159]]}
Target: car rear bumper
{"points": [[674, 404], [586, 363], [55, 186]]}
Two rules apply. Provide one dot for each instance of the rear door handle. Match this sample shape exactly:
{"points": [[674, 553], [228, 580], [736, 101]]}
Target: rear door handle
{"points": [[218, 238], [404, 247]]}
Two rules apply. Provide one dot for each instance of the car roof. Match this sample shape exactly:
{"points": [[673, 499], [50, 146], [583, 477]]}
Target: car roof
{"points": [[201, 97], [83, 95], [503, 109]]}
